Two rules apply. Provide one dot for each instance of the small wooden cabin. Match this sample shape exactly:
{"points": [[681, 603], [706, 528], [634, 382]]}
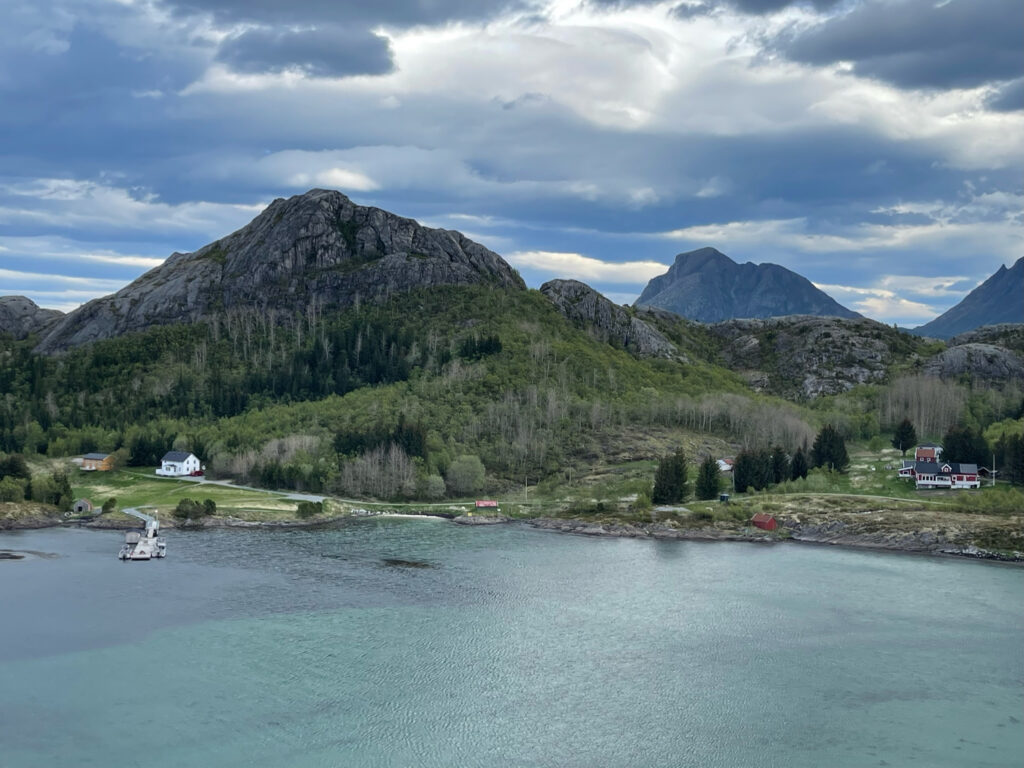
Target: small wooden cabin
{"points": [[97, 462], [764, 521]]}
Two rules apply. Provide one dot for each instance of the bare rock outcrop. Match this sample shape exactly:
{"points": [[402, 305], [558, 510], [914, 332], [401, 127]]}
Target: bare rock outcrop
{"points": [[21, 317], [808, 356], [986, 362], [317, 249], [606, 321]]}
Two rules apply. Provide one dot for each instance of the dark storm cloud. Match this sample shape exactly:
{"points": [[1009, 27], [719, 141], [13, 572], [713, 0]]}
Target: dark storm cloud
{"points": [[919, 43], [330, 51], [361, 13], [1009, 98]]}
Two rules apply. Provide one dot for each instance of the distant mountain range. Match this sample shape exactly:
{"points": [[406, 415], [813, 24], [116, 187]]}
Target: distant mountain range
{"points": [[707, 286], [319, 251], [1000, 299]]}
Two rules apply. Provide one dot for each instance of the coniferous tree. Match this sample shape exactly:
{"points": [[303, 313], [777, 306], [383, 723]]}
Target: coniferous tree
{"points": [[744, 471], [762, 476], [963, 444], [904, 437], [780, 465], [670, 485], [707, 479], [829, 450], [798, 467]]}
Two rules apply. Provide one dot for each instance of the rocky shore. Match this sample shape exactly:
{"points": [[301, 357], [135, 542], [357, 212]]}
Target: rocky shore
{"points": [[913, 538], [833, 533]]}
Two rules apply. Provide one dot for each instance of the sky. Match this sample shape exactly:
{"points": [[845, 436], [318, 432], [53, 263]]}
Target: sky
{"points": [[874, 146]]}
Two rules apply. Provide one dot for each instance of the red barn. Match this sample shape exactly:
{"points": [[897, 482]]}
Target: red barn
{"points": [[764, 521]]}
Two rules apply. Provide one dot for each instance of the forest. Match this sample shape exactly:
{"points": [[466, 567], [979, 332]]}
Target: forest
{"points": [[434, 393]]}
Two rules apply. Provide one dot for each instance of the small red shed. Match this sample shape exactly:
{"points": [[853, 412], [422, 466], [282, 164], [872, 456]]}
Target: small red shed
{"points": [[764, 521], [486, 504]]}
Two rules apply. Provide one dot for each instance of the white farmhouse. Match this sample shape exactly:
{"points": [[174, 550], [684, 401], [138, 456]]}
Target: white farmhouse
{"points": [[178, 464]]}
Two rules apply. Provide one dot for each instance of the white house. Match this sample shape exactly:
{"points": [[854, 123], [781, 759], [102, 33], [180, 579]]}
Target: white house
{"points": [[932, 474], [178, 464], [725, 465]]}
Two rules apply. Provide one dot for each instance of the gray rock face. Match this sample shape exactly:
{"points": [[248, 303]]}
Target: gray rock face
{"points": [[1000, 299], [979, 361], [317, 248], [1008, 335], [607, 321], [707, 286], [21, 317], [807, 356]]}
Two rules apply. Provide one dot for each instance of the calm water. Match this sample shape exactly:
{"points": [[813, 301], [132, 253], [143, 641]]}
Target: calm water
{"points": [[421, 643]]}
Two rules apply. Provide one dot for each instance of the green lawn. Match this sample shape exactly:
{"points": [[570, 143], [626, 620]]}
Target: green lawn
{"points": [[139, 487]]}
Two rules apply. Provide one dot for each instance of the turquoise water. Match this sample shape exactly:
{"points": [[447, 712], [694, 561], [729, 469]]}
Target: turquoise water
{"points": [[395, 642]]}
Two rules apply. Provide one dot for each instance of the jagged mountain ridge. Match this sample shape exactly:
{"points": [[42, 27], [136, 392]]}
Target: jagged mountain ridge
{"points": [[316, 248], [998, 300], [21, 317], [606, 321], [707, 286]]}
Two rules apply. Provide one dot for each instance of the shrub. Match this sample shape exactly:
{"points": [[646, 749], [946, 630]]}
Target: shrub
{"points": [[308, 509], [465, 475], [192, 510]]}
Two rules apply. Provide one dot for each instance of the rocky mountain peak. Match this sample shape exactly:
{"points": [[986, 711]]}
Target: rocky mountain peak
{"points": [[707, 286], [315, 248], [998, 300]]}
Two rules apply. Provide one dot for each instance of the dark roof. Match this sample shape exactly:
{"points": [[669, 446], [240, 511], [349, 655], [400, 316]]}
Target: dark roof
{"points": [[176, 456], [99, 456], [935, 468]]}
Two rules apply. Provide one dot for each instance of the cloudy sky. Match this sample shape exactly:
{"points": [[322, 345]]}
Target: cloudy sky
{"points": [[874, 146]]}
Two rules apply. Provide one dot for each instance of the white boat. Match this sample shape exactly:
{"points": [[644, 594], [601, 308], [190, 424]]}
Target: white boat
{"points": [[144, 545]]}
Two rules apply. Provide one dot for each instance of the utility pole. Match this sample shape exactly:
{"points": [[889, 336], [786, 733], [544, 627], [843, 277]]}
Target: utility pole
{"points": [[526, 488], [992, 474]]}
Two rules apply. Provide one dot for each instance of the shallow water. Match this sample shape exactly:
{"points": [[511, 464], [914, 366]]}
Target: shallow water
{"points": [[395, 642]]}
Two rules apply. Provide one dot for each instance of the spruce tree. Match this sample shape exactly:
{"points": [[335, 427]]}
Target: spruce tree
{"points": [[670, 486], [707, 479], [798, 467], [963, 444], [829, 450], [904, 437], [780, 465], [743, 471]]}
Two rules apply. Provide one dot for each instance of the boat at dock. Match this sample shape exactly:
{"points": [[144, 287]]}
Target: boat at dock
{"points": [[144, 544]]}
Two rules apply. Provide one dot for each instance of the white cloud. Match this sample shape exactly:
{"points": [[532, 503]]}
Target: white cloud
{"points": [[335, 178], [881, 304], [578, 266], [68, 204]]}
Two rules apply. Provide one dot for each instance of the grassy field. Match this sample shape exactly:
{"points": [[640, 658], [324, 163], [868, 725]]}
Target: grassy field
{"points": [[139, 487]]}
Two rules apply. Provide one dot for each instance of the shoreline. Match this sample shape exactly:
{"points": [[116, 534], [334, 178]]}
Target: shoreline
{"points": [[836, 535], [910, 543]]}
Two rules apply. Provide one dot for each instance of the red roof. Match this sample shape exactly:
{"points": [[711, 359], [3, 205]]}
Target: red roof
{"points": [[765, 521], [485, 503]]}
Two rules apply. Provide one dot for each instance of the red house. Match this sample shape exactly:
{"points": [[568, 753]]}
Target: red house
{"points": [[764, 521], [487, 504]]}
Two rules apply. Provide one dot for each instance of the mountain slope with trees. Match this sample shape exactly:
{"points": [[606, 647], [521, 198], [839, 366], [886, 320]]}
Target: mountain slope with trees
{"points": [[318, 251]]}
